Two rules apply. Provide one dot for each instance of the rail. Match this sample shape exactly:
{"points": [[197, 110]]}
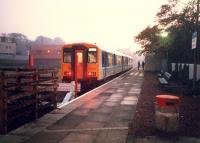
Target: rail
{"points": [[25, 93]]}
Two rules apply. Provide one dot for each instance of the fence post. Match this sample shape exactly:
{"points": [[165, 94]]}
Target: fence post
{"points": [[54, 73], [18, 80], [35, 91], [3, 104]]}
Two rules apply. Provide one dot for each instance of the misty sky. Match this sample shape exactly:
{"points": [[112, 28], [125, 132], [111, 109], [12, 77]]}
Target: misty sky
{"points": [[108, 23]]}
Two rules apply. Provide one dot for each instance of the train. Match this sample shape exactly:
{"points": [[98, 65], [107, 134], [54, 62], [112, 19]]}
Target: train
{"points": [[89, 64]]}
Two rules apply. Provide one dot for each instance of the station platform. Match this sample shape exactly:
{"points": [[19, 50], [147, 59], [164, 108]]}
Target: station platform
{"points": [[102, 115]]}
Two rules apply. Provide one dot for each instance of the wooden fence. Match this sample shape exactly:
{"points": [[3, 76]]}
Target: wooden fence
{"points": [[25, 94]]}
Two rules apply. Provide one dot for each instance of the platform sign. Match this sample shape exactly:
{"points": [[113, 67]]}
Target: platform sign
{"points": [[63, 87], [194, 40], [66, 87]]}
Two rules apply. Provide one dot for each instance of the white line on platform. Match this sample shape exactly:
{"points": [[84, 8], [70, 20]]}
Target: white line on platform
{"points": [[63, 105], [87, 129]]}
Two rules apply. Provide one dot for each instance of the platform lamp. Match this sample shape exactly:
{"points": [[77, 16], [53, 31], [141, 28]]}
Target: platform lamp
{"points": [[164, 35], [195, 49]]}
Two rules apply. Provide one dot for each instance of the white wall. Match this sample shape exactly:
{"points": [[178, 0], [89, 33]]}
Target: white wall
{"points": [[7, 48], [191, 69]]}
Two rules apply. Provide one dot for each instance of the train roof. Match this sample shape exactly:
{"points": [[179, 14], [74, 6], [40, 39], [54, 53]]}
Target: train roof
{"points": [[116, 52], [83, 43], [94, 45]]}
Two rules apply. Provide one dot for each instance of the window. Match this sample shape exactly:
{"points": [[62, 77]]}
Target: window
{"points": [[3, 39], [9, 40], [92, 55], [67, 57], [126, 61], [114, 59], [110, 59], [104, 59], [119, 60], [79, 57]]}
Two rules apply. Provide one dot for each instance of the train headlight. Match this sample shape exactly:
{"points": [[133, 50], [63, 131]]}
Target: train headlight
{"points": [[91, 74], [68, 73]]}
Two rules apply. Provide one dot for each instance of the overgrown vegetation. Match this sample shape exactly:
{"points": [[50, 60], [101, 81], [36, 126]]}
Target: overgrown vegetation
{"points": [[178, 19]]}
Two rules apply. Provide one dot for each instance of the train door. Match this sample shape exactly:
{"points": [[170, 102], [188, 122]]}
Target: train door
{"points": [[79, 65]]}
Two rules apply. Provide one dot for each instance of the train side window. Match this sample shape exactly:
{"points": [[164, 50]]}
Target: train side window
{"points": [[104, 59], [119, 60], [110, 59], [114, 59], [67, 57], [126, 61], [92, 55]]}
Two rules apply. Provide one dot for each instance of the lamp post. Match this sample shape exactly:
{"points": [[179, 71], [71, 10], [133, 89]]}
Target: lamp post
{"points": [[195, 50], [164, 35]]}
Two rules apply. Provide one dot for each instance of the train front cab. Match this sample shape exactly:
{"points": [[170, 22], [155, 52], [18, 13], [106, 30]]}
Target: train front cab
{"points": [[80, 63]]}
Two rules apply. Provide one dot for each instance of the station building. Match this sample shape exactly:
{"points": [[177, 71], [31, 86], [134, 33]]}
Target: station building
{"points": [[7, 46], [46, 56], [8, 54]]}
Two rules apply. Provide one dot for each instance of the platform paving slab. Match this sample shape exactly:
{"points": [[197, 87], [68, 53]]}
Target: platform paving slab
{"points": [[154, 139], [68, 122], [78, 138], [90, 125], [47, 137], [13, 139], [32, 128], [112, 136]]}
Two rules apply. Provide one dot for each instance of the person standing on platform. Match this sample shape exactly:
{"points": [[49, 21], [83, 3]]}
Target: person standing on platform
{"points": [[138, 65], [143, 65]]}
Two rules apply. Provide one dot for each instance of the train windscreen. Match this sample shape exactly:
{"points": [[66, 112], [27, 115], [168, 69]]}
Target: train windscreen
{"points": [[67, 57], [92, 55]]}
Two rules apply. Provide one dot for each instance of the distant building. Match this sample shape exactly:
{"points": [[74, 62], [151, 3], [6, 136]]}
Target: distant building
{"points": [[46, 51], [7, 46], [8, 54], [46, 56]]}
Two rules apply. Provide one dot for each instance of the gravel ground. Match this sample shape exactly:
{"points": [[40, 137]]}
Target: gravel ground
{"points": [[143, 124]]}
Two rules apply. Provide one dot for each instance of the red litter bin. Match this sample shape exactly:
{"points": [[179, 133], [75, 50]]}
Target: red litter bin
{"points": [[167, 113]]}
